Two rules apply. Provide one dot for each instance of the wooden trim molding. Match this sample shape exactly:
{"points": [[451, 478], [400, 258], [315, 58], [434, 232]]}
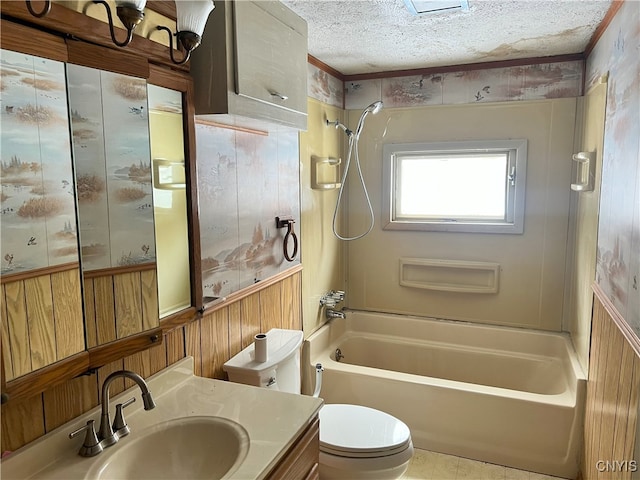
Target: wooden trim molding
{"points": [[236, 128], [38, 272], [103, 272], [102, 58], [123, 347], [617, 318], [465, 67], [47, 377], [324, 67], [68, 22], [166, 8], [19, 38], [256, 287], [182, 318], [608, 18]]}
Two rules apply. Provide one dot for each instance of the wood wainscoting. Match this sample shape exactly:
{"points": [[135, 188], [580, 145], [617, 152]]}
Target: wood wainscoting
{"points": [[211, 340], [612, 396], [41, 315]]}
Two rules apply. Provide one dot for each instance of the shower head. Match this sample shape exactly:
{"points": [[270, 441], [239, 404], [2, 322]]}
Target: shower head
{"points": [[374, 108]]}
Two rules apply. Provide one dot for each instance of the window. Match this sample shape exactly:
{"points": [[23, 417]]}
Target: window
{"points": [[475, 186]]}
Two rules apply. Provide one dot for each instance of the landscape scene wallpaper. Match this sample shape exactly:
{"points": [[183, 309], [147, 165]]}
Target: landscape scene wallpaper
{"points": [[110, 129], [245, 181], [37, 206]]}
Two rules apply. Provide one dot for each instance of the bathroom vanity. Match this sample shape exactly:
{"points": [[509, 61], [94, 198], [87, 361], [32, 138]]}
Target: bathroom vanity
{"points": [[200, 428]]}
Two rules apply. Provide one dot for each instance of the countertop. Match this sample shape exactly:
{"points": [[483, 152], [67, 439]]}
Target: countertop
{"points": [[272, 419]]}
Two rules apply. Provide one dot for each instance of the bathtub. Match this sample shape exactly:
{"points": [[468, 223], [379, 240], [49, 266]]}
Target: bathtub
{"points": [[502, 395]]}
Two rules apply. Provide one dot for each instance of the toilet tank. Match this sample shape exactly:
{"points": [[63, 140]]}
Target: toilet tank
{"points": [[280, 372]]}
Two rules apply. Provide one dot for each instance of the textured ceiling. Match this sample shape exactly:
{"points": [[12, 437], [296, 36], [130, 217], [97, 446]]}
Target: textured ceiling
{"points": [[365, 36]]}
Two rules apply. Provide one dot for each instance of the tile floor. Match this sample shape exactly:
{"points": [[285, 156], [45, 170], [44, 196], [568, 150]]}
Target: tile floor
{"points": [[427, 465]]}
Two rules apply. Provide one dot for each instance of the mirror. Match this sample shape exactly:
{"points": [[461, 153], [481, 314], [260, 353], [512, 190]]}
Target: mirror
{"points": [[169, 199], [40, 304], [109, 120], [77, 211]]}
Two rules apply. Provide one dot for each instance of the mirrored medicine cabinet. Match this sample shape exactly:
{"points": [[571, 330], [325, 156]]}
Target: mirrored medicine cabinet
{"points": [[94, 204]]}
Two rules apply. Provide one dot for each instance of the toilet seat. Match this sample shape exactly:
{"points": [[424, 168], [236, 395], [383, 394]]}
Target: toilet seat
{"points": [[370, 433]]}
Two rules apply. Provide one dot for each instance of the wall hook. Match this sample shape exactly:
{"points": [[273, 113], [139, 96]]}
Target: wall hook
{"points": [[282, 222]]}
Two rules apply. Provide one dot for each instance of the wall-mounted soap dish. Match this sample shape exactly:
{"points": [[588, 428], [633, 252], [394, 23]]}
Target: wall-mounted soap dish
{"points": [[323, 168]]}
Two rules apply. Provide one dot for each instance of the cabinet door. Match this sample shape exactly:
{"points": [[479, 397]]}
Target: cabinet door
{"points": [[271, 54]]}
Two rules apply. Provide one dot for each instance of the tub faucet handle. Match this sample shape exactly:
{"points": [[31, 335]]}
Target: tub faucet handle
{"points": [[337, 295], [332, 298]]}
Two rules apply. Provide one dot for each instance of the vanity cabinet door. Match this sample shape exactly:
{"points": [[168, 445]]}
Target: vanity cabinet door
{"points": [[301, 461]]}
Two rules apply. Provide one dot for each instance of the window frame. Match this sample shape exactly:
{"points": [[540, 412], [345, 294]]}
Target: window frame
{"points": [[515, 205]]}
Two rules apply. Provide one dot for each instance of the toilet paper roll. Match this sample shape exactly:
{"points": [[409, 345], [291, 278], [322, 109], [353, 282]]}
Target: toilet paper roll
{"points": [[261, 347]]}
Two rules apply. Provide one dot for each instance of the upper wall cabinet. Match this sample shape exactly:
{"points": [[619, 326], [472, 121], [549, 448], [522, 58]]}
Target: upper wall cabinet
{"points": [[252, 63]]}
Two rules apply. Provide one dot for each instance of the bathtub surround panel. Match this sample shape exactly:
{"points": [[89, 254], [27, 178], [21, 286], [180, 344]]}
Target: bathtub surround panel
{"points": [[584, 231], [323, 254], [211, 340], [508, 396], [532, 277]]}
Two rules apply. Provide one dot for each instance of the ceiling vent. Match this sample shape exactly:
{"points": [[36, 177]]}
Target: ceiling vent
{"points": [[418, 7]]}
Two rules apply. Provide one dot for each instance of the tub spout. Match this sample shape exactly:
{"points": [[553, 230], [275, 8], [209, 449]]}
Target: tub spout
{"points": [[330, 313]]}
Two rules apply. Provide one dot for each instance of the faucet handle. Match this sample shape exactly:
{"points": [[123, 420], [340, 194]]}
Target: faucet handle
{"points": [[91, 445], [337, 295], [120, 427]]}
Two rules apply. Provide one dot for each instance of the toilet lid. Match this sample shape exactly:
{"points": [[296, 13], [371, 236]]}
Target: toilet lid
{"points": [[357, 431]]}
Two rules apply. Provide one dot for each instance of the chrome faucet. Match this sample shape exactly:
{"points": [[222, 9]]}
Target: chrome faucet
{"points": [[330, 313], [106, 436]]}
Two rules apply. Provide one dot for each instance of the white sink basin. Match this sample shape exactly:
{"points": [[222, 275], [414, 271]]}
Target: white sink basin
{"points": [[187, 447]]}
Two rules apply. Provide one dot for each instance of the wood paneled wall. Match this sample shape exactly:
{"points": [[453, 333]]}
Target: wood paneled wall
{"points": [[211, 340], [120, 304], [612, 399], [41, 315]]}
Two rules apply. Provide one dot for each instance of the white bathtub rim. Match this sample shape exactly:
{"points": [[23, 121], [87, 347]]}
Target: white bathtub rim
{"points": [[539, 335], [563, 399]]}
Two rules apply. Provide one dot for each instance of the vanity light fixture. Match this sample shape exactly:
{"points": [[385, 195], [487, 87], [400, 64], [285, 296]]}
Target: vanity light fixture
{"points": [[192, 18], [130, 13], [45, 11]]}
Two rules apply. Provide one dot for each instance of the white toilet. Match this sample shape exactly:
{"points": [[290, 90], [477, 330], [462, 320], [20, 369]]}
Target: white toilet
{"points": [[356, 442]]}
